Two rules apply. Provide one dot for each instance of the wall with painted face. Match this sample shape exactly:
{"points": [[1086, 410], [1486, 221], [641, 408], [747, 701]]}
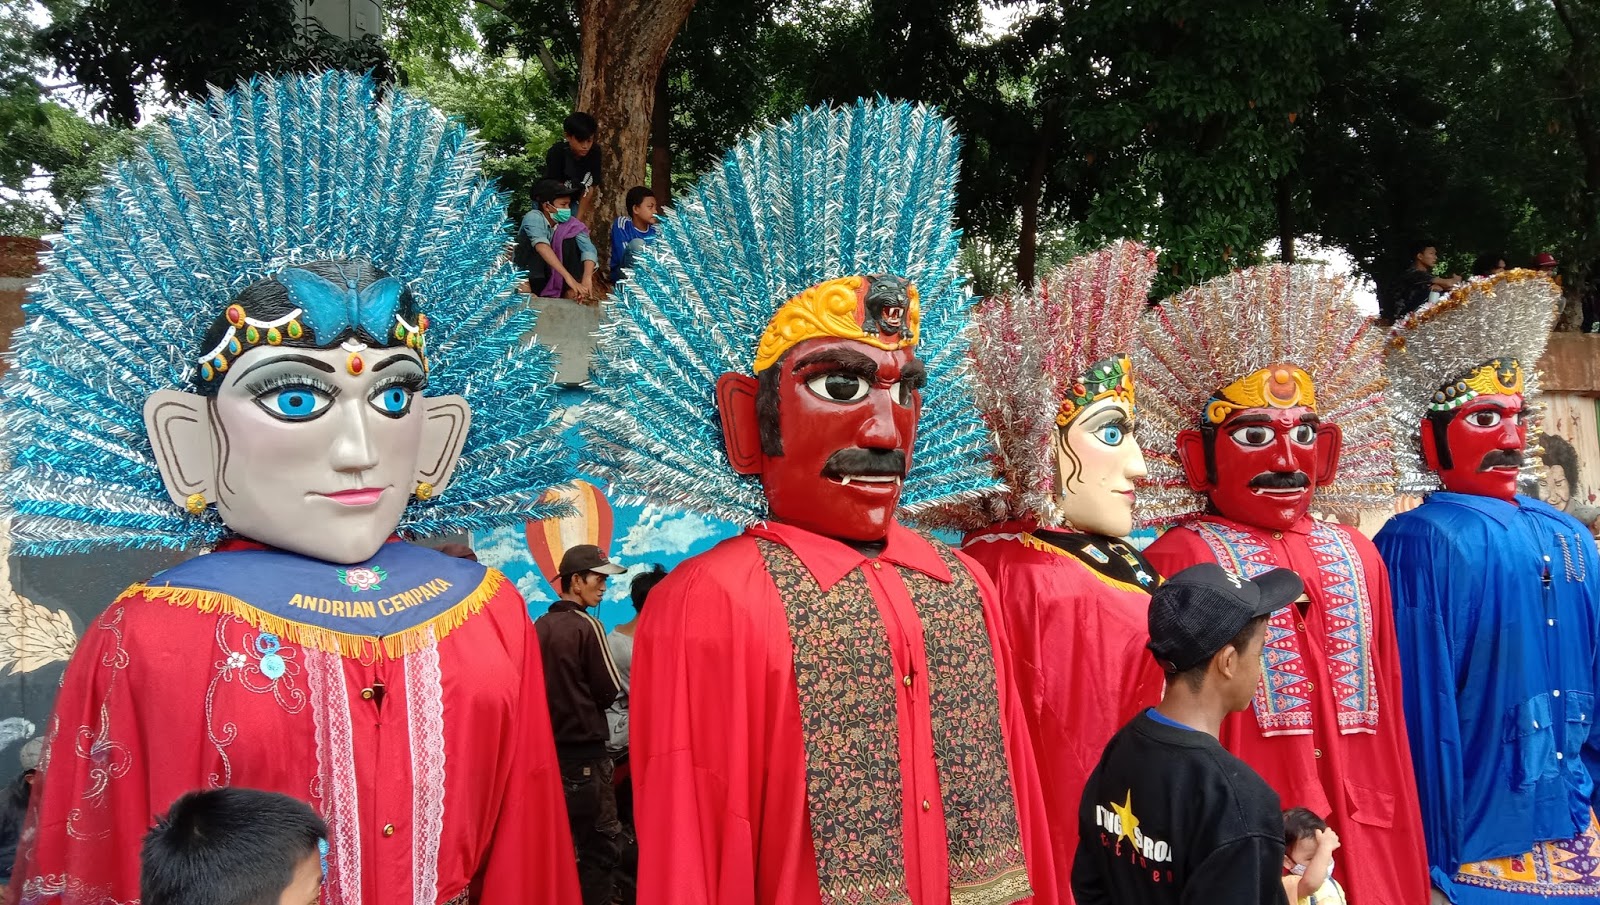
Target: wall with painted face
{"points": [[1097, 465], [836, 421], [1265, 463], [1482, 449]]}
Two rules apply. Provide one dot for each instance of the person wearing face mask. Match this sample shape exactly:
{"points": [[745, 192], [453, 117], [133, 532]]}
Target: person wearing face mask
{"points": [[553, 245], [1073, 591], [1308, 847], [295, 372], [821, 708], [1262, 390], [1497, 605]]}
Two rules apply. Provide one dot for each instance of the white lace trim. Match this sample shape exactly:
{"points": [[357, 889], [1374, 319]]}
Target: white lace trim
{"points": [[425, 706], [330, 705]]}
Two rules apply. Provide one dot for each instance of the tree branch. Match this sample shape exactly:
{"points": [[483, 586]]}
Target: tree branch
{"points": [[496, 5]]}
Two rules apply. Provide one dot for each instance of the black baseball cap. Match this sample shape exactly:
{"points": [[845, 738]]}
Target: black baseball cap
{"points": [[1196, 612], [588, 558], [548, 190]]}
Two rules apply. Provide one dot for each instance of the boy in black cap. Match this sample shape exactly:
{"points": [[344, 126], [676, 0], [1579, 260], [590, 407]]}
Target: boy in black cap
{"points": [[1169, 816], [581, 681], [553, 244]]}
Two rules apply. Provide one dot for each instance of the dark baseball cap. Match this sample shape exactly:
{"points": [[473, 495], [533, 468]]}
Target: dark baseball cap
{"points": [[1196, 612], [548, 190], [588, 558]]}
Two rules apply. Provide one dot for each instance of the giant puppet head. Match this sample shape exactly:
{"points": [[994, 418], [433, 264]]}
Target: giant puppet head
{"points": [[1263, 388], [791, 348], [1056, 384], [1462, 376], [231, 338]]}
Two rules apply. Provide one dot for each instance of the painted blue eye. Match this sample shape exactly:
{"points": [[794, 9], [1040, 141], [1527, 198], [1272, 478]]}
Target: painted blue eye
{"points": [[1110, 434], [393, 401], [295, 403]]}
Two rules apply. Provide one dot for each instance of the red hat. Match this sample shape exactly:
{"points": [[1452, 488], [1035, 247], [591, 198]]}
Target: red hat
{"points": [[1544, 259]]}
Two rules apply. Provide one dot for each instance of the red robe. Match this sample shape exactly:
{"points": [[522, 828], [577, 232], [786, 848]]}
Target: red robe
{"points": [[717, 746], [1360, 781], [1079, 662], [444, 778]]}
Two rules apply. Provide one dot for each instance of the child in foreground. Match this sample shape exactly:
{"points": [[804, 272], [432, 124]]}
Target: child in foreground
{"points": [[1308, 847], [234, 847], [1169, 817]]}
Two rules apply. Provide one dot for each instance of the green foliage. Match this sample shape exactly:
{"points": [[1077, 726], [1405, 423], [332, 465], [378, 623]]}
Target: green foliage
{"points": [[125, 52], [511, 105]]}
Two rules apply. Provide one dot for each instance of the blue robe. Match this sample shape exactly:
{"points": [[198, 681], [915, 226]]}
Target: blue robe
{"points": [[1497, 609]]}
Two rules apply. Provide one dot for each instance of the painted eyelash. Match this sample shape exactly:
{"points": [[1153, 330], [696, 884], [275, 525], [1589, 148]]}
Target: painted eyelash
{"points": [[413, 382], [262, 387]]}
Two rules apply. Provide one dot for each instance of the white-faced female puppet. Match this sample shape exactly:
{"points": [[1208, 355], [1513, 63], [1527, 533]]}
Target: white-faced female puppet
{"points": [[311, 431]]}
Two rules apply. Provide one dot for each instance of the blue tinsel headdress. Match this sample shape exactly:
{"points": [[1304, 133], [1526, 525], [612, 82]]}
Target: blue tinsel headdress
{"points": [[274, 173], [866, 189]]}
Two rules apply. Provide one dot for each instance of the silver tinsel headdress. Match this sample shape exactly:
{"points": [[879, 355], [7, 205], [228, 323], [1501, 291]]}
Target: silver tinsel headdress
{"points": [[1434, 349], [1031, 357], [860, 190], [274, 173], [1210, 335]]}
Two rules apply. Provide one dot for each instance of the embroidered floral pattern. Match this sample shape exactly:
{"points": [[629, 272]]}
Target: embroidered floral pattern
{"points": [[363, 578], [108, 758], [847, 690], [335, 785], [985, 838], [425, 711], [258, 663]]}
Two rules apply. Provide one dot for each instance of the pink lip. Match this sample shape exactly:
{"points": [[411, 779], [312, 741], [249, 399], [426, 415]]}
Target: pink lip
{"points": [[366, 496]]}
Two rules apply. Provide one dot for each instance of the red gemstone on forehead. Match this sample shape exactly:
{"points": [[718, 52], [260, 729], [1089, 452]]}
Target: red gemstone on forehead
{"points": [[355, 364]]}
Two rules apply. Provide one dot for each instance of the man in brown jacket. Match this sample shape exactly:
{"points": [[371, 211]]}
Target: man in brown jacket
{"points": [[581, 682]]}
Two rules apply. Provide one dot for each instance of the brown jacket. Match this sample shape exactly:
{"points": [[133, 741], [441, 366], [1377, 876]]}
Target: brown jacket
{"points": [[579, 679]]}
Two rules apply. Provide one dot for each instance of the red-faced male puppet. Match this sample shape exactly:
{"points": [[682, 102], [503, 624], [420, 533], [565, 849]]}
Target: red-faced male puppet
{"points": [[829, 419], [1261, 451], [1473, 436], [1259, 386]]}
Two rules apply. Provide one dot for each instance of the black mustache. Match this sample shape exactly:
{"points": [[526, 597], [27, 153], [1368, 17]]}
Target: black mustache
{"points": [[858, 461], [1497, 458], [1281, 480]]}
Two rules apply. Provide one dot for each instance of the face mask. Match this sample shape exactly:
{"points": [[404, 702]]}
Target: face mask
{"points": [[1299, 870], [563, 214]]}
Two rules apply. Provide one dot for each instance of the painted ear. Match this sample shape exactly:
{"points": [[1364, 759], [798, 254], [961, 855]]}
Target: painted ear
{"points": [[1330, 443], [180, 429], [1192, 453], [741, 429], [444, 432], [1430, 445]]}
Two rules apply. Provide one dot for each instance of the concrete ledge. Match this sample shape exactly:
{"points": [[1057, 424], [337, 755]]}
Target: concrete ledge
{"points": [[568, 328]]}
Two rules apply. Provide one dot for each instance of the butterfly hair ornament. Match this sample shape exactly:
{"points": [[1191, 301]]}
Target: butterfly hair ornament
{"points": [[834, 225], [314, 211]]}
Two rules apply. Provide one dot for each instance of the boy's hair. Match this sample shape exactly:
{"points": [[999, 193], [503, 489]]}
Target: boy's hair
{"points": [[1418, 247], [227, 847], [1298, 824], [580, 125], [643, 583], [636, 196], [1196, 676]]}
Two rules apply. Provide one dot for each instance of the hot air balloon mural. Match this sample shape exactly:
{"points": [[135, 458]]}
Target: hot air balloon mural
{"points": [[592, 522]]}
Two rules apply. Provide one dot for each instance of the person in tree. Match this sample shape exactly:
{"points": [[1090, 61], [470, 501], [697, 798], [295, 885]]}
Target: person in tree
{"points": [[1262, 393], [288, 370], [1497, 606], [576, 160], [822, 709], [1055, 382], [1417, 282]]}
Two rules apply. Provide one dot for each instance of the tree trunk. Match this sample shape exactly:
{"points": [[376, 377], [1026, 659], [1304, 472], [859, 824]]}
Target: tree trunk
{"points": [[660, 143], [622, 46], [1285, 221], [1032, 189]]}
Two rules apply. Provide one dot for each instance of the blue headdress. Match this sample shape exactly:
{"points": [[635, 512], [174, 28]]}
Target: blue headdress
{"points": [[862, 190], [239, 192]]}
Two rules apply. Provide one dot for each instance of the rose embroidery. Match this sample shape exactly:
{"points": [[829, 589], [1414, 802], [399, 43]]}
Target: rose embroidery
{"points": [[363, 578]]}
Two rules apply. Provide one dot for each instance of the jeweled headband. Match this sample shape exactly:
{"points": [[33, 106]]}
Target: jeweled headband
{"points": [[882, 311], [319, 305]]}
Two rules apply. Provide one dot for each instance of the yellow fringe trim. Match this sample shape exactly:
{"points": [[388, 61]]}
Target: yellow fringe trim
{"points": [[1044, 546], [315, 637]]}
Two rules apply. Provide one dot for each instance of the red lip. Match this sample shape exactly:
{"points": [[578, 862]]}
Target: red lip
{"points": [[366, 496]]}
